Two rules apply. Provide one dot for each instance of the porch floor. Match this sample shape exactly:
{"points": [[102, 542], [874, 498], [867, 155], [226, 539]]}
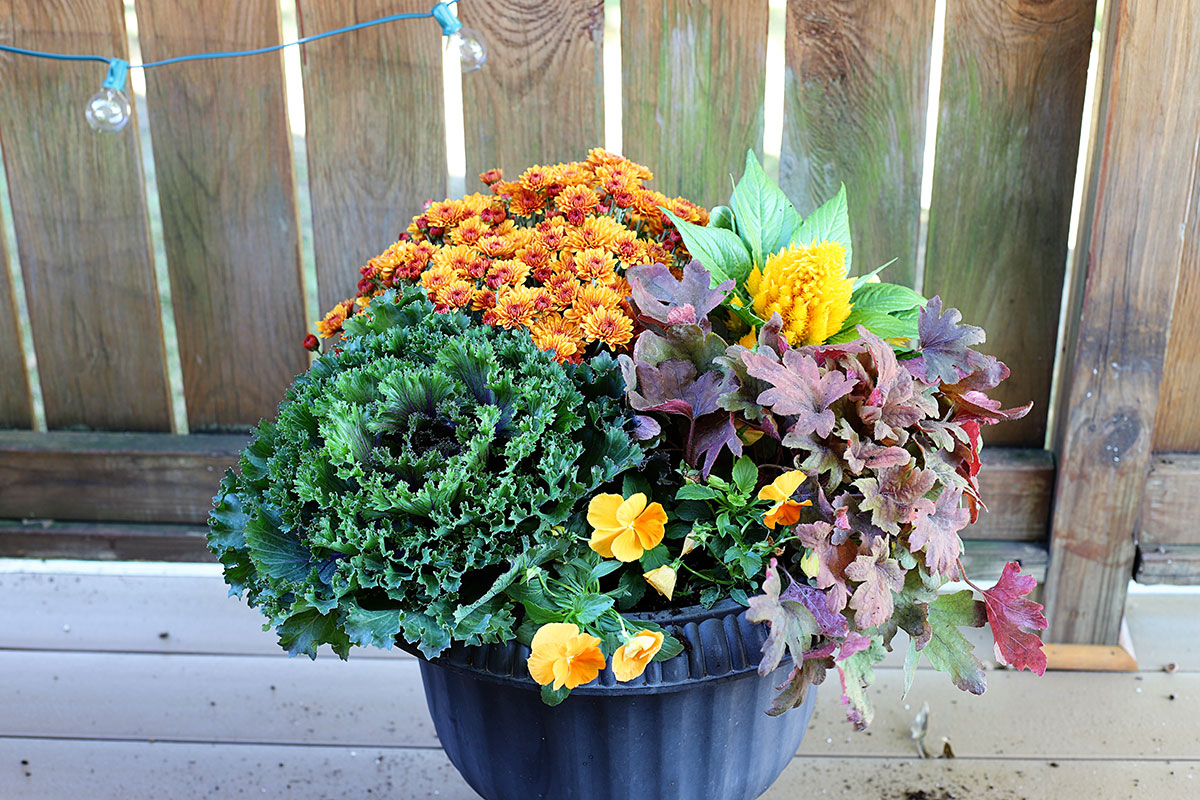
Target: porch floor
{"points": [[150, 686]]}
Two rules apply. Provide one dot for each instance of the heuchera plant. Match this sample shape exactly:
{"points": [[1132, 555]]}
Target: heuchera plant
{"points": [[576, 400]]}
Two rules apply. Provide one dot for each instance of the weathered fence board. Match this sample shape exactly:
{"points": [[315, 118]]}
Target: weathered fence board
{"points": [[108, 476], [693, 77], [856, 86], [539, 100], [79, 210], [16, 406], [1143, 166], [387, 81], [103, 541], [222, 153], [1013, 83], [1177, 424], [1171, 501], [1177, 564]]}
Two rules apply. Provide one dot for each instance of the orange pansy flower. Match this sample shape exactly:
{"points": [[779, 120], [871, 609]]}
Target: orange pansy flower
{"points": [[631, 658], [564, 657], [785, 511], [624, 529]]}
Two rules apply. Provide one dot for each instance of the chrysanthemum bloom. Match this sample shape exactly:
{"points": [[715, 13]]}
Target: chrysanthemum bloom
{"points": [[779, 491], [624, 529], [468, 231], [491, 176], [537, 178], [554, 234], [457, 258], [807, 287], [595, 264], [577, 198], [631, 658], [564, 347], [662, 579], [514, 307], [594, 232], [332, 323], [564, 657], [494, 244], [456, 294], [608, 325], [524, 203]]}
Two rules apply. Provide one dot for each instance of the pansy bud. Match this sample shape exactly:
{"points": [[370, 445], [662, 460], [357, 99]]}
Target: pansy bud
{"points": [[662, 579]]}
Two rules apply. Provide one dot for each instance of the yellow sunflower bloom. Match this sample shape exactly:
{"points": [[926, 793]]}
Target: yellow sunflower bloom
{"points": [[624, 529], [785, 511], [564, 657], [631, 658]]}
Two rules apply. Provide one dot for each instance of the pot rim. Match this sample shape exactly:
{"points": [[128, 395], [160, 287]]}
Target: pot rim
{"points": [[728, 650]]}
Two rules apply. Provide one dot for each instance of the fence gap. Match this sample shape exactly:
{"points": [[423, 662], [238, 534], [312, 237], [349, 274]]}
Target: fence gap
{"points": [[20, 309], [613, 138], [773, 96], [937, 50], [293, 82], [456, 137], [162, 275], [1072, 273]]}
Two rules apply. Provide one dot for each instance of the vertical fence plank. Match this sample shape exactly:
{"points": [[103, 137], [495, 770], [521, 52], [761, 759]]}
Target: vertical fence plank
{"points": [[16, 406], [693, 75], [1013, 83], [79, 210], [539, 99], [375, 130], [1143, 171], [856, 85], [1177, 424], [223, 158]]}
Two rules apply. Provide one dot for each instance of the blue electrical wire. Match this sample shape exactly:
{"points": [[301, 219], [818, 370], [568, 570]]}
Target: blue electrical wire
{"points": [[440, 12]]}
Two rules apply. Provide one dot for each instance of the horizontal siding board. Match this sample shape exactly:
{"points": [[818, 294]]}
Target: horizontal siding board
{"points": [[122, 477]]}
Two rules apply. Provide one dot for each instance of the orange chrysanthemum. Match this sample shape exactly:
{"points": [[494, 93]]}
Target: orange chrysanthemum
{"points": [[609, 326]]}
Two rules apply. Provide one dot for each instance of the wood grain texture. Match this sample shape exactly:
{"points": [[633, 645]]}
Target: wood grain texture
{"points": [[1174, 564], [1171, 501], [79, 211], [539, 99], [103, 541], [1017, 486], [112, 476], [16, 404], [693, 76], [376, 132], [1013, 83], [856, 87], [222, 152], [1143, 170], [1177, 423]]}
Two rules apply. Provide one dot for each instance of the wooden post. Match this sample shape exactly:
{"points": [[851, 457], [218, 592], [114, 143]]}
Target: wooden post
{"points": [[1142, 173]]}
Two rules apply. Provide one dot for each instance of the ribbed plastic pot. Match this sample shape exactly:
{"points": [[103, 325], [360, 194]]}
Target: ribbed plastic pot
{"points": [[691, 727]]}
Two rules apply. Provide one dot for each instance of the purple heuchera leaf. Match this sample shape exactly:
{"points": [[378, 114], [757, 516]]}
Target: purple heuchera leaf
{"points": [[830, 623], [832, 560], [945, 354], [645, 427], [877, 577], [671, 387], [658, 295], [792, 624], [855, 643], [800, 390], [891, 496], [935, 530], [896, 402], [861, 454]]}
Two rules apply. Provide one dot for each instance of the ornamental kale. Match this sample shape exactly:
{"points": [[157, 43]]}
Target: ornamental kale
{"points": [[410, 478]]}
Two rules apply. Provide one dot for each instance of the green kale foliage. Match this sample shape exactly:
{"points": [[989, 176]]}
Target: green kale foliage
{"points": [[412, 477]]}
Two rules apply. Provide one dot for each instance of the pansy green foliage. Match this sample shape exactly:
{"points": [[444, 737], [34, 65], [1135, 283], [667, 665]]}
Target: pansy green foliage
{"points": [[877, 454], [412, 477]]}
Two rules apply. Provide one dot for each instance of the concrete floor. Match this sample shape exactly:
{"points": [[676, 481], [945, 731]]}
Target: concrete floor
{"points": [[150, 686]]}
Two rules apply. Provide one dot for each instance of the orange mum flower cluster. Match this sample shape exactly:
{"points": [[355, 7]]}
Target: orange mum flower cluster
{"points": [[546, 252]]}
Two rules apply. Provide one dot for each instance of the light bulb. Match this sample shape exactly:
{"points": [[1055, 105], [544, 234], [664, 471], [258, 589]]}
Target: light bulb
{"points": [[108, 111], [472, 49]]}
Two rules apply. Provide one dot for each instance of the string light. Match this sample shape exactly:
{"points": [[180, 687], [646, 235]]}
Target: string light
{"points": [[109, 110]]}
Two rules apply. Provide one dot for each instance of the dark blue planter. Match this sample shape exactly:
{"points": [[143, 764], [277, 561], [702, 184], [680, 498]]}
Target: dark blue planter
{"points": [[692, 727]]}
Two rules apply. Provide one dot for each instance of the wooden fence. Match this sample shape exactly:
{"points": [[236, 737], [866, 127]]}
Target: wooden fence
{"points": [[110, 480]]}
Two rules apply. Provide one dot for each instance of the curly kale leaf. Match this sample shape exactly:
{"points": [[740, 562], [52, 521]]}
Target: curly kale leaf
{"points": [[411, 475]]}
